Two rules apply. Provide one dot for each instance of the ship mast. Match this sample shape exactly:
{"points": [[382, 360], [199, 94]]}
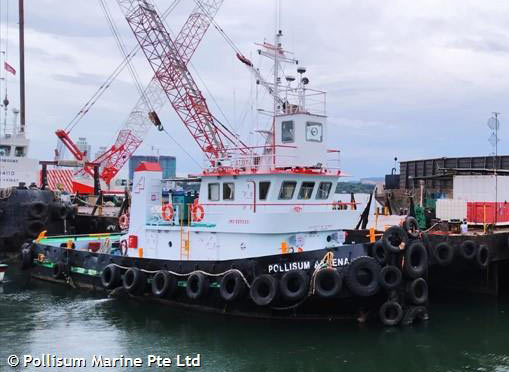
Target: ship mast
{"points": [[22, 66]]}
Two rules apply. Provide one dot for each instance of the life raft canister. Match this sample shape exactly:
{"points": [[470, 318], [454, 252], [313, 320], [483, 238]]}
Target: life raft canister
{"points": [[123, 221], [168, 212]]}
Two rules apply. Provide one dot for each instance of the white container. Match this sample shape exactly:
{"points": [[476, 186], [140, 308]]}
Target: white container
{"points": [[481, 188], [450, 209]]}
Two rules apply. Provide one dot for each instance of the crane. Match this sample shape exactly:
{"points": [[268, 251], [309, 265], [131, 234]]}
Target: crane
{"points": [[144, 114], [164, 56]]}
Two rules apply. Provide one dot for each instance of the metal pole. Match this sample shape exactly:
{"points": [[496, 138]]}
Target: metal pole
{"points": [[22, 65]]}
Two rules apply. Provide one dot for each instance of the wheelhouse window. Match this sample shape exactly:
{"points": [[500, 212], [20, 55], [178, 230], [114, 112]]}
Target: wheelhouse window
{"points": [[263, 190], [314, 132], [5, 150], [19, 151], [287, 132], [287, 190], [306, 190], [324, 190], [213, 191], [228, 191]]}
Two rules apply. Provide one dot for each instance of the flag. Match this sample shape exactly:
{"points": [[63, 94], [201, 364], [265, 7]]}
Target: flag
{"points": [[9, 68]]}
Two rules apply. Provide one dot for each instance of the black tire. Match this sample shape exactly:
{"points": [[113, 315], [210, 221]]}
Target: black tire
{"points": [[379, 253], [328, 283], [58, 211], [27, 258], [134, 281], [443, 253], [111, 277], [362, 276], [197, 286], [58, 270], [411, 227], [1, 213], [468, 249], [390, 277], [417, 291], [416, 260], [37, 210], [164, 284], [415, 313], [483, 256], [264, 290], [390, 313], [395, 239], [33, 228], [232, 287]]}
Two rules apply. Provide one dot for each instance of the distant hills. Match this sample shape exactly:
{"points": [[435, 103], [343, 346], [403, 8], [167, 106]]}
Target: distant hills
{"points": [[355, 187]]}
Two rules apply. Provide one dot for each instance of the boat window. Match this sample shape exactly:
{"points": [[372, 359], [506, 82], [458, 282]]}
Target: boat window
{"points": [[263, 189], [323, 190], [228, 191], [287, 132], [306, 190], [287, 190], [19, 151], [213, 191], [5, 150], [314, 132]]}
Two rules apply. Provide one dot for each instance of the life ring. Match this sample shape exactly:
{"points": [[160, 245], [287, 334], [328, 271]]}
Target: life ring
{"points": [[164, 284], [168, 212], [198, 212], [328, 283], [416, 259], [232, 286], [110, 276], [134, 280], [264, 290], [294, 285], [390, 277], [123, 221], [197, 286], [362, 276], [390, 313]]}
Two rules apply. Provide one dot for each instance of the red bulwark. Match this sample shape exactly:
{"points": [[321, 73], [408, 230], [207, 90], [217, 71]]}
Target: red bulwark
{"points": [[488, 212], [147, 166]]}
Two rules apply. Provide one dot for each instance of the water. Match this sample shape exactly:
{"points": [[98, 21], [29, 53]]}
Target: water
{"points": [[466, 333]]}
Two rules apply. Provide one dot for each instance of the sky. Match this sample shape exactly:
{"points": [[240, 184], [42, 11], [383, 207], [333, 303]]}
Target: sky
{"points": [[405, 79]]}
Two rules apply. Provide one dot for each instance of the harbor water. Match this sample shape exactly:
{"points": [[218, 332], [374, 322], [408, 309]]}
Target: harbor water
{"points": [[464, 333]]}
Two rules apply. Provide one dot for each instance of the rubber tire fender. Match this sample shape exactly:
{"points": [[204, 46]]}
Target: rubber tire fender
{"points": [[197, 286], [111, 277], [163, 284], [395, 239], [443, 253], [134, 280], [483, 256], [232, 286], [468, 249], [37, 209], [264, 290], [328, 282], [390, 313], [58, 270], [294, 285], [355, 283], [415, 313], [379, 253], [59, 211], [411, 226], [390, 277], [417, 291], [416, 251], [33, 228]]}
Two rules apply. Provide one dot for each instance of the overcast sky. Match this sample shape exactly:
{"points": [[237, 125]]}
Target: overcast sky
{"points": [[411, 79]]}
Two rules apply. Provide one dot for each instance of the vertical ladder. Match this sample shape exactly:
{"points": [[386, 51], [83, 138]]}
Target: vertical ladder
{"points": [[185, 241]]}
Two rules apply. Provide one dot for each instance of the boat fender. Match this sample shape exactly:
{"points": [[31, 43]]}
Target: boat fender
{"points": [[33, 228], [468, 249], [483, 256], [390, 313], [378, 252], [390, 277], [198, 213], [197, 286], [134, 281], [123, 222], [443, 253], [362, 276], [415, 313], [411, 226], [328, 283], [294, 285], [26, 256], [416, 259], [111, 277], [168, 212], [37, 209], [58, 270], [58, 210], [164, 284], [417, 291], [264, 290], [232, 286], [395, 239]]}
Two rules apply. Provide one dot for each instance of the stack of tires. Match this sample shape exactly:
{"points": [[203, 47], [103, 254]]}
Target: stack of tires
{"points": [[404, 260]]}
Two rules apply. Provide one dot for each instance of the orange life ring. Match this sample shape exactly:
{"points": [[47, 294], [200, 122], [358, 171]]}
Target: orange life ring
{"points": [[123, 221], [168, 212], [198, 213]]}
